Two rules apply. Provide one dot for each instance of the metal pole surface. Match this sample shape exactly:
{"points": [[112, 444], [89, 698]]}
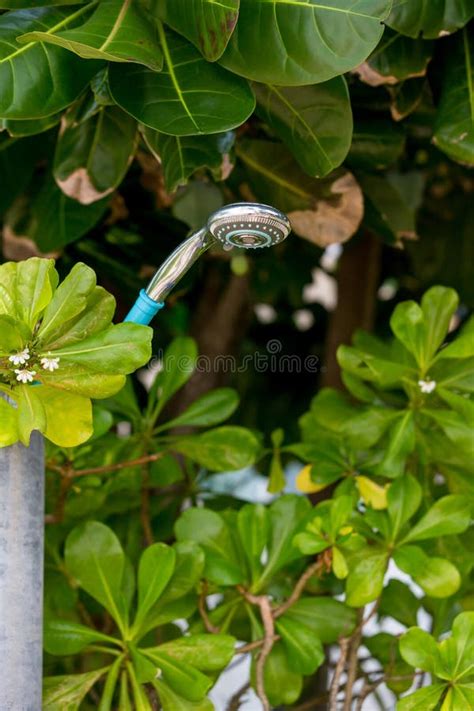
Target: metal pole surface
{"points": [[21, 575]]}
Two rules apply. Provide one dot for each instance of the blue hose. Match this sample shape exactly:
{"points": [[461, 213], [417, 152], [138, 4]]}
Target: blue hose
{"points": [[144, 309]]}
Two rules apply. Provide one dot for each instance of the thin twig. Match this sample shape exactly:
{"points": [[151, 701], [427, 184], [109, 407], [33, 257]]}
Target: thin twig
{"points": [[252, 646], [235, 700], [341, 662], [352, 662], [146, 459], [313, 569], [210, 627], [145, 517]]}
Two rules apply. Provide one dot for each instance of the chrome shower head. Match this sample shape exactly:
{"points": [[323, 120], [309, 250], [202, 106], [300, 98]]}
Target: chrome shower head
{"points": [[248, 225]]}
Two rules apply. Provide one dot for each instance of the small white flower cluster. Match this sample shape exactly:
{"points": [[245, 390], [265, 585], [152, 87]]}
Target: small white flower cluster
{"points": [[427, 386], [26, 376]]}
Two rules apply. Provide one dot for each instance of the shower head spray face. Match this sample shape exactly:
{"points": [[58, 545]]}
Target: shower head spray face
{"points": [[248, 226]]}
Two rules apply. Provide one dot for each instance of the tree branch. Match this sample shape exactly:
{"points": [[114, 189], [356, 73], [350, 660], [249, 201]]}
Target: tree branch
{"points": [[313, 569], [210, 627], [352, 662], [343, 646]]}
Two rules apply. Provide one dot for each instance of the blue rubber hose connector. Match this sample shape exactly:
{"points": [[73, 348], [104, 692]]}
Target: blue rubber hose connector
{"points": [[144, 309]]}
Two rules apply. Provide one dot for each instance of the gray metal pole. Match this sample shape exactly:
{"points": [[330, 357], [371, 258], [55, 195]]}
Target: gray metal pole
{"points": [[21, 575]]}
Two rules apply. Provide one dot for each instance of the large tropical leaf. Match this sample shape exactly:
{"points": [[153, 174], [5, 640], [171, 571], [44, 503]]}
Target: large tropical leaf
{"points": [[206, 23], [396, 58], [92, 156], [418, 17], [315, 122], [119, 31], [189, 97], [454, 127], [38, 80], [303, 41]]}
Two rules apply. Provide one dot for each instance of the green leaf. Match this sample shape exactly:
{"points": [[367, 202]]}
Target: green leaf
{"points": [[463, 344], [366, 575], [184, 679], [118, 31], [287, 517], [31, 412], [210, 409], [253, 527], [454, 125], [419, 649], [206, 652], [210, 531], [154, 572], [426, 699], [415, 18], [179, 362], [282, 684], [56, 75], [69, 299], [173, 702], [305, 42], [399, 602], [95, 316], [407, 323], [110, 685], [404, 499], [439, 305], [437, 576], [68, 431], [94, 556], [455, 426], [315, 122], [447, 516], [35, 278], [28, 127], [304, 652], [92, 156], [459, 698], [376, 144], [401, 442], [9, 418], [79, 380], [62, 637], [12, 336], [205, 23], [67, 692], [456, 653], [327, 619], [386, 209], [189, 97], [396, 58], [119, 349], [222, 449], [182, 156]]}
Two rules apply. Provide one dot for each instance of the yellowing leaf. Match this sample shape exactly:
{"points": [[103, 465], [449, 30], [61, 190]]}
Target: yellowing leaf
{"points": [[304, 482], [372, 494]]}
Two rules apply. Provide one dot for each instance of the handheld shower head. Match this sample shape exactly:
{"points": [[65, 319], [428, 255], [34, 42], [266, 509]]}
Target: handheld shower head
{"points": [[248, 225], [244, 224]]}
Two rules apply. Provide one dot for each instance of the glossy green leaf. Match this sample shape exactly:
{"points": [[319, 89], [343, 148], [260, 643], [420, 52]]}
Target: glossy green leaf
{"points": [[315, 122], [210, 531], [35, 279], [305, 653], [38, 80], [17, 162], [282, 684], [118, 31], [93, 156], [13, 339], [304, 42], [69, 300], [188, 97], [184, 679], [80, 381], [404, 499], [416, 18], [456, 427], [28, 127], [31, 412], [456, 653], [94, 556], [253, 527], [463, 344], [426, 699], [181, 156], [437, 576], [154, 572], [376, 144], [386, 210], [419, 649], [179, 362], [67, 692], [210, 409], [205, 23], [206, 652], [327, 619], [108, 692], [447, 516], [366, 575], [454, 126], [222, 449], [9, 433], [399, 602], [68, 431], [120, 349], [401, 441], [62, 637], [173, 702]]}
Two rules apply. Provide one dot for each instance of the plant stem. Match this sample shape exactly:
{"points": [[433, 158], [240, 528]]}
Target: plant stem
{"points": [[343, 646]]}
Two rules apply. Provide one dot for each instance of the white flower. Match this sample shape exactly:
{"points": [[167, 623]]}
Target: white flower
{"points": [[50, 363], [20, 358], [427, 386], [25, 376]]}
